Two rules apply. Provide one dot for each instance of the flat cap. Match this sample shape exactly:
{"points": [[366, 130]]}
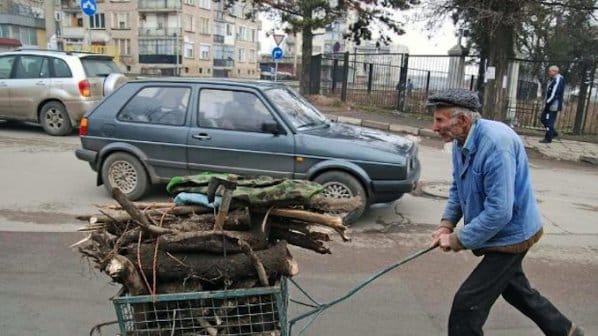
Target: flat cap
{"points": [[455, 97]]}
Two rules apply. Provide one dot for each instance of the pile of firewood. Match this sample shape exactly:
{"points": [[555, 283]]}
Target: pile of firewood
{"points": [[154, 248]]}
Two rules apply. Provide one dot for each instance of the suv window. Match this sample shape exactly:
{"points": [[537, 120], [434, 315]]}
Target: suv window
{"points": [[157, 105], [233, 110], [32, 67], [95, 67], [61, 69], [6, 66]]}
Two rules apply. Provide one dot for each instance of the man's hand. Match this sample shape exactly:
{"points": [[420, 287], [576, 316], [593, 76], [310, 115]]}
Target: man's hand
{"points": [[450, 242], [436, 235]]}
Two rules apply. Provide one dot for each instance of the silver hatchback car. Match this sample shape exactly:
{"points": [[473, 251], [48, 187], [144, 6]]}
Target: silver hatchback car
{"points": [[54, 88]]}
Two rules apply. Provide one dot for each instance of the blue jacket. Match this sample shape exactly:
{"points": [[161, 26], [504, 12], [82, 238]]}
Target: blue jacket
{"points": [[491, 189], [555, 91]]}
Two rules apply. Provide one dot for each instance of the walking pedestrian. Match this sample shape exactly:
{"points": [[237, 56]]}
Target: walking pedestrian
{"points": [[492, 192], [553, 104]]}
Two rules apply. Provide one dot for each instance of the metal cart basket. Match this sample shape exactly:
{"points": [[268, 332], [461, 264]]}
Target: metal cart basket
{"points": [[253, 311]]}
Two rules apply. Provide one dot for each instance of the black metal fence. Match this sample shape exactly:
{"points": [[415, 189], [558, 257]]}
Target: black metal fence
{"points": [[403, 82]]}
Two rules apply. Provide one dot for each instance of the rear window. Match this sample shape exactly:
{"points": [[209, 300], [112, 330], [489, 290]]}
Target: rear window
{"points": [[97, 67]]}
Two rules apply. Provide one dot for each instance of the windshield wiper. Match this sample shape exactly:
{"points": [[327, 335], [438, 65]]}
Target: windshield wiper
{"points": [[309, 124]]}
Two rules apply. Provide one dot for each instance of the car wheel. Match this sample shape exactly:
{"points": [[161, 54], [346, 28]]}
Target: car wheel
{"points": [[125, 172], [54, 119], [339, 184]]}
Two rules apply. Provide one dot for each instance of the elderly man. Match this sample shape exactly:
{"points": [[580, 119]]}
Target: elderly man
{"points": [[554, 103], [492, 192]]}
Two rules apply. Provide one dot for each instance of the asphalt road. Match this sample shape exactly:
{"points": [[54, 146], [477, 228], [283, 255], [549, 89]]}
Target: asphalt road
{"points": [[47, 289]]}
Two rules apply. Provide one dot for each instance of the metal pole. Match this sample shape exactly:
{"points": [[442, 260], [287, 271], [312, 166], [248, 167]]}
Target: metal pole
{"points": [[275, 70]]}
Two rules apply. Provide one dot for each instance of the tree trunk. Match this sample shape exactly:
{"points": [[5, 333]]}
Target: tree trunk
{"points": [[306, 51], [216, 269]]}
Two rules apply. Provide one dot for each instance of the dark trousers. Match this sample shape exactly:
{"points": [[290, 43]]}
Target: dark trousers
{"points": [[548, 118], [501, 274]]}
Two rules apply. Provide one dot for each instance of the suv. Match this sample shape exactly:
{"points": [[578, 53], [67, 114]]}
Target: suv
{"points": [[54, 88], [150, 130]]}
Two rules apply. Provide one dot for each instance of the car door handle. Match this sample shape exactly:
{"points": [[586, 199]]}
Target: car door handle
{"points": [[202, 136], [40, 83]]}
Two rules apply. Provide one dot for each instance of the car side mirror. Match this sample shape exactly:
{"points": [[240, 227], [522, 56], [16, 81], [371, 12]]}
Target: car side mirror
{"points": [[270, 127]]}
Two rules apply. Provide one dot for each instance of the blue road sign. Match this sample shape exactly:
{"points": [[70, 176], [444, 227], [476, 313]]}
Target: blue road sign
{"points": [[277, 53], [89, 7]]}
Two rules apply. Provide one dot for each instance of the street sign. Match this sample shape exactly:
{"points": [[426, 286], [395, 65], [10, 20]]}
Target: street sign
{"points": [[89, 7], [278, 38], [277, 53]]}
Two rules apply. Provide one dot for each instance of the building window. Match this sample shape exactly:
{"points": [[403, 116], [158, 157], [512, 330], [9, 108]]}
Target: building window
{"points": [[120, 21], [189, 50], [200, 70], [241, 55], [124, 46], [241, 36], [204, 25], [189, 23], [229, 29], [204, 4], [157, 47], [97, 21], [252, 55], [252, 38], [204, 51], [189, 2]]}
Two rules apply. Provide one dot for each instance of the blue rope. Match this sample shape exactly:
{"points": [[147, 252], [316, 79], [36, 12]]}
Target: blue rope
{"points": [[320, 307]]}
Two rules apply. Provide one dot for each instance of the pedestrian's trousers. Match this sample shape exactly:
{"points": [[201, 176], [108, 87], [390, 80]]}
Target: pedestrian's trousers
{"points": [[501, 274], [548, 119]]}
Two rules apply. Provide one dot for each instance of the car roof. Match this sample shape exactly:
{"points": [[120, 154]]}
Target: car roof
{"points": [[262, 84], [52, 52]]}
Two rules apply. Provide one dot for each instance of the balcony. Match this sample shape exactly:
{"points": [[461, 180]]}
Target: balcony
{"points": [[159, 5], [159, 32], [74, 32], [159, 59], [219, 15], [218, 38], [224, 62]]}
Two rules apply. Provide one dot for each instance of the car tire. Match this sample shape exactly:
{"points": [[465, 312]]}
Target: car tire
{"points": [[55, 119], [124, 171], [340, 184]]}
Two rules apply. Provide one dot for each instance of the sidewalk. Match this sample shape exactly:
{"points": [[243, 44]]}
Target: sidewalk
{"points": [[566, 150]]}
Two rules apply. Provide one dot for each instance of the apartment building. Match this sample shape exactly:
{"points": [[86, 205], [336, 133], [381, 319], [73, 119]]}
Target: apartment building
{"points": [[23, 22], [166, 37]]}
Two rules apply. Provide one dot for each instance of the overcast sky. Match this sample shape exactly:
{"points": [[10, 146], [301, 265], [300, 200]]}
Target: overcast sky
{"points": [[418, 40]]}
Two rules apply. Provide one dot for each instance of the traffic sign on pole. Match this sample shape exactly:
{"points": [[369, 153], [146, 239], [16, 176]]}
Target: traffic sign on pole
{"points": [[277, 53], [89, 7], [278, 38]]}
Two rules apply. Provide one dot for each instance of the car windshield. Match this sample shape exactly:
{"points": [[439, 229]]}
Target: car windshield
{"points": [[298, 111]]}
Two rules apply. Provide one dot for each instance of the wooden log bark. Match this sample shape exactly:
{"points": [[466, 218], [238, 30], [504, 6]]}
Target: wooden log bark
{"points": [[299, 239], [123, 271], [314, 218], [204, 241], [277, 261], [136, 214]]}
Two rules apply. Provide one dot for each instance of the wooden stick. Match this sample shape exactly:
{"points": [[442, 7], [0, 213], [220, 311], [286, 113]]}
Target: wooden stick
{"points": [[257, 263], [307, 216], [136, 214]]}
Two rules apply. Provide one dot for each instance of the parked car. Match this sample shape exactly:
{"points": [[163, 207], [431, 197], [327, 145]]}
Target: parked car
{"points": [[54, 88], [150, 130]]}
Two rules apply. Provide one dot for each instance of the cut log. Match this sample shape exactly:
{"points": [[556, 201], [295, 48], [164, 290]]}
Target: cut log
{"points": [[299, 239], [323, 203], [213, 269], [303, 228], [122, 270], [314, 218], [204, 241]]}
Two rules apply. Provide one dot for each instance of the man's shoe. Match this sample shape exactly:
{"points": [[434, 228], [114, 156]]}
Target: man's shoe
{"points": [[545, 141], [556, 134], [576, 331]]}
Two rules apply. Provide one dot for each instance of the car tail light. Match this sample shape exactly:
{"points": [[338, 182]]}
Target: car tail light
{"points": [[85, 88], [83, 127]]}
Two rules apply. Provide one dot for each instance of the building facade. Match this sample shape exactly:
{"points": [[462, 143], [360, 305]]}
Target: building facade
{"points": [[23, 21], [166, 37]]}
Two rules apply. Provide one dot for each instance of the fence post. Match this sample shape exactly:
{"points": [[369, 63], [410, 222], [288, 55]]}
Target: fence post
{"points": [[334, 67], [370, 75], [427, 84], [315, 73], [345, 77], [586, 76], [471, 82]]}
